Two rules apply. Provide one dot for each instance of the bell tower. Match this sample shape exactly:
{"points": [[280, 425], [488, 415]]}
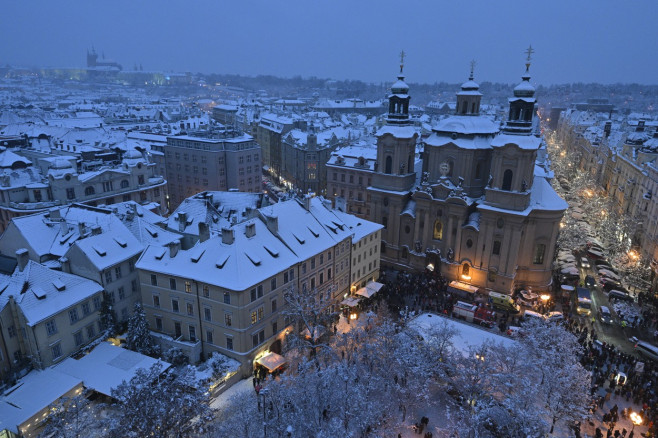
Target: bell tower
{"points": [[468, 99], [522, 105], [398, 100]]}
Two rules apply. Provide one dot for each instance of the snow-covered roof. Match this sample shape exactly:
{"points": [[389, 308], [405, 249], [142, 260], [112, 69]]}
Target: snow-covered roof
{"points": [[106, 367], [8, 159], [109, 248], [527, 142], [398, 131], [470, 142], [467, 125], [466, 337], [542, 198], [32, 393], [360, 228], [41, 293]]}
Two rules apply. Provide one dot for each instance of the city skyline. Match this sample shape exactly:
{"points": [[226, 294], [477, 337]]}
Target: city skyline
{"points": [[340, 40]]}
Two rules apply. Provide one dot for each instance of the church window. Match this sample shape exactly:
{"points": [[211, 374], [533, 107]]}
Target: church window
{"points": [[507, 180], [451, 165], [438, 230], [89, 190], [538, 258], [473, 108], [407, 230], [478, 170], [469, 243], [464, 107], [389, 165], [496, 247]]}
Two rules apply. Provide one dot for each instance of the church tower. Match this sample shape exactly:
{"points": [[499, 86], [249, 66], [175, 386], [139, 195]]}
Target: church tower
{"points": [[394, 175], [468, 99]]}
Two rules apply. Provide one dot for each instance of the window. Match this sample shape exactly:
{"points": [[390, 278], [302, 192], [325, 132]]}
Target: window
{"points": [[292, 274], [90, 331], [86, 309], [312, 282], [209, 336], [303, 268], [192, 331], [124, 314], [133, 285], [507, 180], [229, 343], [156, 301], [177, 330], [97, 302], [122, 293], [496, 247], [258, 338], [321, 277], [329, 274], [190, 309], [438, 230], [256, 314], [274, 305], [389, 165], [56, 351], [206, 291], [538, 258], [89, 191], [228, 319], [107, 186], [12, 331], [158, 323], [188, 287], [108, 277], [466, 269], [384, 221], [73, 315], [70, 193], [273, 283], [313, 263], [275, 328], [285, 277], [174, 306], [117, 272], [172, 283], [207, 314], [131, 265], [124, 183], [111, 295]]}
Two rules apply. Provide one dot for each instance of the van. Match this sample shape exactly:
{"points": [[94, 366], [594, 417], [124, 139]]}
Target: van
{"points": [[504, 302], [605, 315], [647, 349]]}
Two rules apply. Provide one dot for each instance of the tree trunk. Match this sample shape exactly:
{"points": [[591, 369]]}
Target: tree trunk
{"points": [[553, 424]]}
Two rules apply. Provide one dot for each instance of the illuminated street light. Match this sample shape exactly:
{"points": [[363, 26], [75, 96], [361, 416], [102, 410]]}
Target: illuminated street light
{"points": [[545, 297]]}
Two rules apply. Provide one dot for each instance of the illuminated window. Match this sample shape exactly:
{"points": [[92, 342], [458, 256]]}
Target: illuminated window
{"points": [[438, 230]]}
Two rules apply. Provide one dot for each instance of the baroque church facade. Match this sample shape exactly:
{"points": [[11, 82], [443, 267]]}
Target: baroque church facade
{"points": [[482, 210]]}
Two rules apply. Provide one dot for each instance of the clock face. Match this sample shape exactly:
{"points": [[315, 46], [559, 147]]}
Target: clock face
{"points": [[444, 168]]}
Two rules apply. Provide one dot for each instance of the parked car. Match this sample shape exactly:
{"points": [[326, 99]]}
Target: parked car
{"points": [[620, 295], [608, 284], [584, 263], [554, 316], [590, 281], [647, 349]]}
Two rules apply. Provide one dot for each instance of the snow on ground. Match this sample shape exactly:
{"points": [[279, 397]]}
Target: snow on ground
{"points": [[225, 397]]}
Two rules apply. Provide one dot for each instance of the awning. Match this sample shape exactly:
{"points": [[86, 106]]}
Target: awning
{"points": [[271, 361], [371, 289], [350, 302]]}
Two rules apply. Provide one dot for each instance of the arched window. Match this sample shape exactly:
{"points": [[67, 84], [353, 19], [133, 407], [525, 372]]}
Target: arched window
{"points": [[89, 190], [438, 230], [538, 257], [478, 170], [466, 271], [464, 107], [389, 165], [124, 183], [473, 108], [451, 165], [507, 180]]}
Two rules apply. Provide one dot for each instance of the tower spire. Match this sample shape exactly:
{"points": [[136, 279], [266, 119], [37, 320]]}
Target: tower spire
{"points": [[402, 55], [473, 63], [529, 51]]}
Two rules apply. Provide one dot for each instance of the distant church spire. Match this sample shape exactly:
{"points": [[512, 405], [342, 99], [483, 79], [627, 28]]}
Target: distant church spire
{"points": [[402, 55], [468, 99]]}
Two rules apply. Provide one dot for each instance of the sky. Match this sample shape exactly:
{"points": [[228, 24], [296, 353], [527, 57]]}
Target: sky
{"points": [[604, 41]]}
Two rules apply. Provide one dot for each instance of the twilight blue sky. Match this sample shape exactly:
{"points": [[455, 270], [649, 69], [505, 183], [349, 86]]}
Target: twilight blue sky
{"points": [[575, 40]]}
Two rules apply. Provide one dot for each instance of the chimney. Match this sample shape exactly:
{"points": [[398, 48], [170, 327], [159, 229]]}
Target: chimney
{"points": [[250, 230], [63, 227], [272, 224], [607, 128], [133, 209], [22, 256], [65, 264], [182, 221], [204, 232], [228, 236], [55, 215], [96, 230], [307, 202], [173, 248], [82, 229]]}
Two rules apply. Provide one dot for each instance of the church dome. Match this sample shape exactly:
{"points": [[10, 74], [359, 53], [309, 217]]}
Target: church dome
{"points": [[400, 87], [524, 89], [470, 85]]}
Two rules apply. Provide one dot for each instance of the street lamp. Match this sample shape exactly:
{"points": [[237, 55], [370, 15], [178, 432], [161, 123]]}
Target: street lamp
{"points": [[636, 419]]}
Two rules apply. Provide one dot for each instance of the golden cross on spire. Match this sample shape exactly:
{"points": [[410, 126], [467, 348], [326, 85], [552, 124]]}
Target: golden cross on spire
{"points": [[529, 51], [473, 64], [402, 55]]}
